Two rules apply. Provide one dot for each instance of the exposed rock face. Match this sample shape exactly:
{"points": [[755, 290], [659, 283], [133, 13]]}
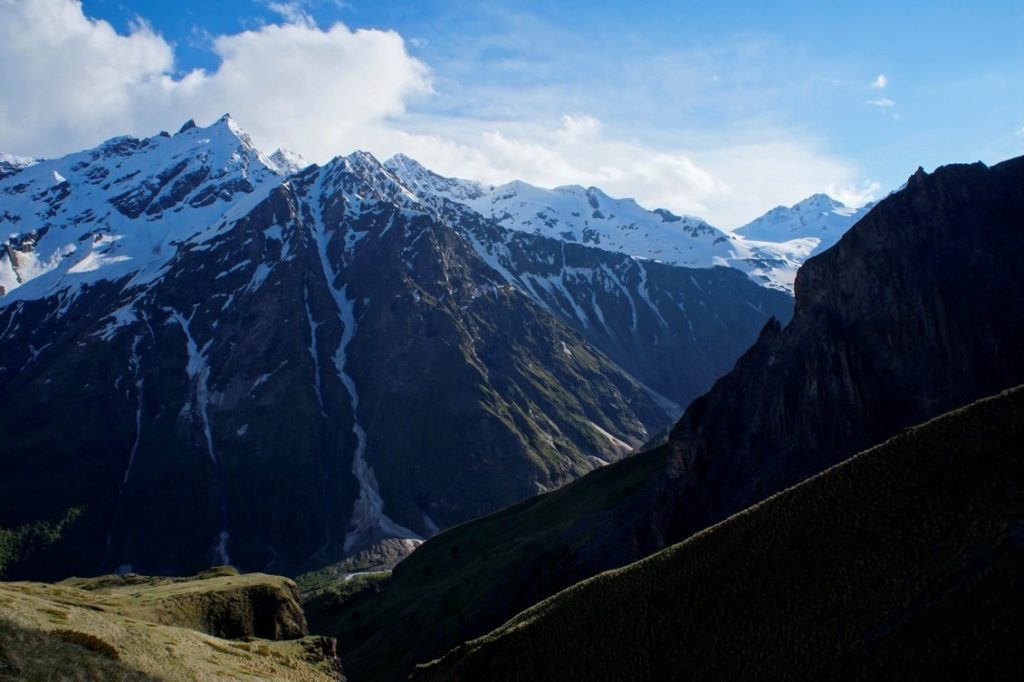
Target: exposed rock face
{"points": [[308, 365], [917, 310]]}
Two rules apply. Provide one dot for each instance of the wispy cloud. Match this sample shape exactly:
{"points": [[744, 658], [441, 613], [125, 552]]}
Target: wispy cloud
{"points": [[880, 82], [292, 12], [881, 103]]}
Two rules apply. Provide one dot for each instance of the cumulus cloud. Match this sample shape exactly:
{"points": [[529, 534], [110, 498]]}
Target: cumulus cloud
{"points": [[880, 82], [67, 80], [70, 81]]}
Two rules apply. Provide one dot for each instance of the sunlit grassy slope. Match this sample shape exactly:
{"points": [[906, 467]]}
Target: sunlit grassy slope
{"points": [[906, 561], [157, 628]]}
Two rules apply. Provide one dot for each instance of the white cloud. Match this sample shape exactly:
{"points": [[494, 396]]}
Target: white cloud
{"points": [[881, 103], [727, 184], [855, 195], [880, 82], [67, 80], [291, 12], [70, 82], [579, 126]]}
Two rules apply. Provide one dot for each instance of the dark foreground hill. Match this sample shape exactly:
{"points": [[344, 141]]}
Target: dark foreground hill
{"points": [[918, 310], [906, 561]]}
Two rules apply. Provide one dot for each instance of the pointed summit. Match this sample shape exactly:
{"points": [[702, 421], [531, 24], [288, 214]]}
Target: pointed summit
{"points": [[427, 184], [401, 159], [819, 216], [287, 161], [186, 126]]}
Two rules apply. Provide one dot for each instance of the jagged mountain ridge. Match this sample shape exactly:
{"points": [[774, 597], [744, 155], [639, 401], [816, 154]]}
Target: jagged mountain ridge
{"points": [[769, 249], [578, 214], [416, 376], [917, 310], [122, 207]]}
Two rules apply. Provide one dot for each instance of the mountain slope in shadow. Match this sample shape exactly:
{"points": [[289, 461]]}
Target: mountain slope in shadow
{"points": [[904, 561]]}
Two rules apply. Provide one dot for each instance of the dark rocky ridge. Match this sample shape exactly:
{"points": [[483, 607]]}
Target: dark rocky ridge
{"points": [[917, 310]]}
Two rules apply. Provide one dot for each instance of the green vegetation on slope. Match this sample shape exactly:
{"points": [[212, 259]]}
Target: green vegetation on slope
{"points": [[135, 627], [906, 561], [444, 581], [18, 543]]}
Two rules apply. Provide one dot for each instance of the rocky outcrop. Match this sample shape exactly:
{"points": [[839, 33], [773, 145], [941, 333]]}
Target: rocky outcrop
{"points": [[219, 602], [216, 625]]}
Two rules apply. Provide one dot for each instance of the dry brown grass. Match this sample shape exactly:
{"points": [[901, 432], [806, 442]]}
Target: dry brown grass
{"points": [[116, 629]]}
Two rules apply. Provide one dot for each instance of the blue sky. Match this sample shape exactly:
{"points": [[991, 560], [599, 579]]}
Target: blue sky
{"points": [[719, 109]]}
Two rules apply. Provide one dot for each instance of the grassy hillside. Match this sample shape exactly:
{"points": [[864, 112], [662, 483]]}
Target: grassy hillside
{"points": [[138, 628], [446, 582], [906, 561]]}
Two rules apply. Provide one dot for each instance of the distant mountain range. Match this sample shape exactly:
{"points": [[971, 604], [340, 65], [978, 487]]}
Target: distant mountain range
{"points": [[212, 355], [769, 249]]}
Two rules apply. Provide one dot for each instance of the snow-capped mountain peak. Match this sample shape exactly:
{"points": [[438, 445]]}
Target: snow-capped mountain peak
{"points": [[574, 213], [287, 161], [819, 216], [769, 249], [123, 206], [425, 182], [362, 178]]}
